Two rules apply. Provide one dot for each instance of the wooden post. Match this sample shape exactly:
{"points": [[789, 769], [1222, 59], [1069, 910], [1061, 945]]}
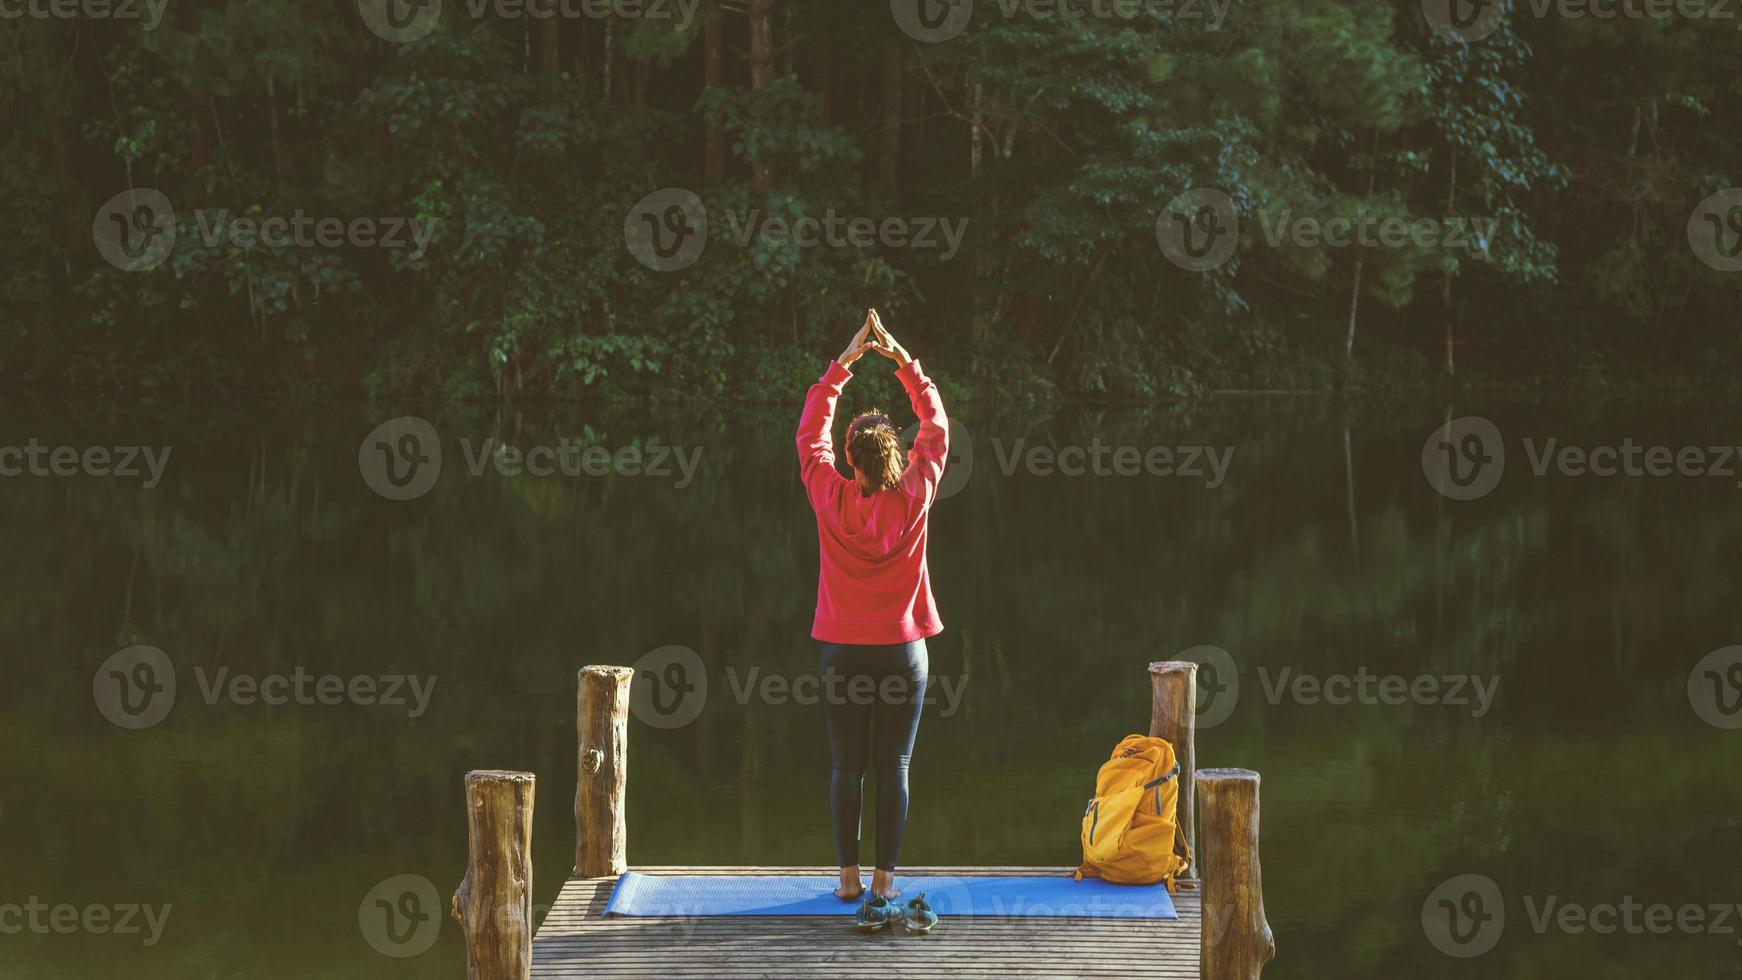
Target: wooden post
{"points": [[602, 760], [1173, 715], [494, 902], [1236, 940]]}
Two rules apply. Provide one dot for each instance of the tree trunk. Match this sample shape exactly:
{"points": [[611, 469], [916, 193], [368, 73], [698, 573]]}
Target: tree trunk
{"points": [[494, 902], [761, 14], [1355, 303], [1349, 491], [549, 37], [1173, 715], [1236, 941], [610, 58], [976, 128], [1361, 256], [1446, 280], [713, 45], [602, 770], [272, 128], [642, 73], [824, 58], [75, 232], [889, 146]]}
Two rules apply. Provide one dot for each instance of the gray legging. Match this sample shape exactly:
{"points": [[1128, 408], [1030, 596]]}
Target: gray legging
{"points": [[872, 696]]}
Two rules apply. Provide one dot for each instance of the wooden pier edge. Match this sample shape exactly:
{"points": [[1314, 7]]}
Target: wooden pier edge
{"points": [[1232, 937], [1173, 715], [602, 769], [1236, 940], [493, 904]]}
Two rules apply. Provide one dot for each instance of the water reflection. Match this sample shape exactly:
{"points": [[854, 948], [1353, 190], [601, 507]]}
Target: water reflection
{"points": [[1321, 557]]}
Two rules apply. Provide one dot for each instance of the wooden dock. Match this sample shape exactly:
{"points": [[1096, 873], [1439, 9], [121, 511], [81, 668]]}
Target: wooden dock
{"points": [[1221, 932], [577, 940]]}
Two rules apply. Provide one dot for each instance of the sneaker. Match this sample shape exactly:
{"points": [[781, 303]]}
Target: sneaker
{"points": [[875, 914], [919, 917]]}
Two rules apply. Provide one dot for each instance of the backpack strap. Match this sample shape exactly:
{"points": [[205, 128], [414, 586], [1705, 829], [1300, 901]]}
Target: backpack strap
{"points": [[1180, 844], [1164, 777]]}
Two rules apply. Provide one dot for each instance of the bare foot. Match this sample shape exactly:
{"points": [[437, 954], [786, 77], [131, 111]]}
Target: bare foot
{"points": [[851, 887], [883, 884]]}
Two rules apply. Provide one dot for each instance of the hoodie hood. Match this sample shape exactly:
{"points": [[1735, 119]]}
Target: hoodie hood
{"points": [[874, 528]]}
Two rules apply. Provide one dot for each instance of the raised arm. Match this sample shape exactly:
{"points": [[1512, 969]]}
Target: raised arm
{"points": [[925, 461], [816, 450]]}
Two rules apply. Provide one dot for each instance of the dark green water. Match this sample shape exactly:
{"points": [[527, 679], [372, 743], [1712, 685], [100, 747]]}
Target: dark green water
{"points": [[1601, 772]]}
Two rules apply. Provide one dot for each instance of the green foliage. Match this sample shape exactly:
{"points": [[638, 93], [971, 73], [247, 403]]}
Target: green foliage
{"points": [[1053, 143]]}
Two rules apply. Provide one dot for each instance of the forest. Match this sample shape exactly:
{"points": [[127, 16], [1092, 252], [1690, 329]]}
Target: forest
{"points": [[491, 200]]}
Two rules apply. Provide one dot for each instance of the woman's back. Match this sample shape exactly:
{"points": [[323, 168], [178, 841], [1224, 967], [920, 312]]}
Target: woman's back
{"points": [[873, 585]]}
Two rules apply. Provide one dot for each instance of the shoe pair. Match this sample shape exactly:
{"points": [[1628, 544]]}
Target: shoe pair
{"points": [[877, 912]]}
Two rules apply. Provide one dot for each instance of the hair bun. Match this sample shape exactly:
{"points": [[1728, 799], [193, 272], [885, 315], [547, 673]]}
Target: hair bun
{"points": [[874, 449]]}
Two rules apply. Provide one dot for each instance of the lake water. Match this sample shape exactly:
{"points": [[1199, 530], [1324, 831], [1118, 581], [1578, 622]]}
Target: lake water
{"points": [[1572, 736]]}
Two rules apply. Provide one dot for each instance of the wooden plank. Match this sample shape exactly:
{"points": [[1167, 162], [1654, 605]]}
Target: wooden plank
{"points": [[577, 940]]}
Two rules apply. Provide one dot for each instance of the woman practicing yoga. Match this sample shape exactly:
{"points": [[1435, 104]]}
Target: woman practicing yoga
{"points": [[874, 601]]}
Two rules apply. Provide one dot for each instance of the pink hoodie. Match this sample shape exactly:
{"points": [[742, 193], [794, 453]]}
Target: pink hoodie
{"points": [[872, 586]]}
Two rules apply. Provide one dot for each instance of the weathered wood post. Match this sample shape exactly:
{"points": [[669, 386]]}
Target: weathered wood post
{"points": [[1173, 715], [602, 760], [1236, 941], [494, 902]]}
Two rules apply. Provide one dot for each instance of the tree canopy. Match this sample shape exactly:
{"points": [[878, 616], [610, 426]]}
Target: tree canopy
{"points": [[1414, 197]]}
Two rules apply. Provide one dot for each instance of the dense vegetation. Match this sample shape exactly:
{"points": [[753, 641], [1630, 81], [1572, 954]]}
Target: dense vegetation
{"points": [[522, 144]]}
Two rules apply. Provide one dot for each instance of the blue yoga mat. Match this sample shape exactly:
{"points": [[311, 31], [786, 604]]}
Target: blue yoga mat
{"points": [[1004, 896]]}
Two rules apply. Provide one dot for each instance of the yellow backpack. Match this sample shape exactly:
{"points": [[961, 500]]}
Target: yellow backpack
{"points": [[1131, 825]]}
